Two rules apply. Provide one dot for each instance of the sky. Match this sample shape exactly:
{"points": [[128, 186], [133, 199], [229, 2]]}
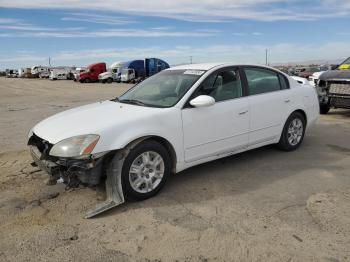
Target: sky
{"points": [[80, 32]]}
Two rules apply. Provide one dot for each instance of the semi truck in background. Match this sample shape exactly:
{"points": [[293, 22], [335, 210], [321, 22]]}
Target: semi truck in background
{"points": [[137, 70], [92, 72], [62, 73], [25, 72], [77, 72], [11, 73], [113, 73], [40, 71]]}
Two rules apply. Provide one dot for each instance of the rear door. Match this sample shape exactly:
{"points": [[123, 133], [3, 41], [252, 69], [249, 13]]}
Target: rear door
{"points": [[221, 128], [270, 100]]}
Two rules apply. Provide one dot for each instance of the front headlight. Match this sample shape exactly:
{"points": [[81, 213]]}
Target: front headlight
{"points": [[75, 146]]}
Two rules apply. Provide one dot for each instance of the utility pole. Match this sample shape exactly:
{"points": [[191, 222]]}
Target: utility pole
{"points": [[266, 54], [190, 59], [49, 61]]}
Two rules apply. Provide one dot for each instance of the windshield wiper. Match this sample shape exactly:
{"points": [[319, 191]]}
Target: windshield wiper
{"points": [[133, 102]]}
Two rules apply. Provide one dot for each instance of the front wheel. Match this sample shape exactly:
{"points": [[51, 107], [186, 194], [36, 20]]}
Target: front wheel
{"points": [[293, 132], [145, 170]]}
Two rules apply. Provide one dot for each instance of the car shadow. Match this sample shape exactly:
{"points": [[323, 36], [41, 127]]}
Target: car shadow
{"points": [[239, 174]]}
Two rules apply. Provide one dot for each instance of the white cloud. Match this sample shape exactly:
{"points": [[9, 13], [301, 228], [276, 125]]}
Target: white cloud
{"points": [[278, 53], [247, 34], [204, 10], [8, 20], [98, 19], [69, 33]]}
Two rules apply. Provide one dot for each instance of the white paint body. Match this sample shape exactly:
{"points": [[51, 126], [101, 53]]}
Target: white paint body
{"points": [[197, 135]]}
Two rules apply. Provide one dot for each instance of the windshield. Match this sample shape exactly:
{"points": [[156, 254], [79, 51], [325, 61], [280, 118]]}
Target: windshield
{"points": [[347, 61], [164, 89]]}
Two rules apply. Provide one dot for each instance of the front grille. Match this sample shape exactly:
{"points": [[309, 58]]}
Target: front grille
{"points": [[43, 146], [340, 102], [339, 88]]}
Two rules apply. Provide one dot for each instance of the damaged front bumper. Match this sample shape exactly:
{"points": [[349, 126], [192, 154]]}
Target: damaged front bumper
{"points": [[87, 171]]}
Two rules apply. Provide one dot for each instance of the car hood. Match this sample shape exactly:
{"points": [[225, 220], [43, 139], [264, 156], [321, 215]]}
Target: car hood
{"points": [[336, 75], [317, 74], [94, 118]]}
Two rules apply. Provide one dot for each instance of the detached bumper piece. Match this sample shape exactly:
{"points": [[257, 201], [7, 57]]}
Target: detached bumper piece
{"points": [[81, 171]]}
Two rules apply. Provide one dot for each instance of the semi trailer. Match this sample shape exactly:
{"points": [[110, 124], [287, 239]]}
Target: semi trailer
{"points": [[137, 70]]}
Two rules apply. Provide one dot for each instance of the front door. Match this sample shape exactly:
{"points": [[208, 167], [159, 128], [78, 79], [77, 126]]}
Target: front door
{"points": [[221, 128]]}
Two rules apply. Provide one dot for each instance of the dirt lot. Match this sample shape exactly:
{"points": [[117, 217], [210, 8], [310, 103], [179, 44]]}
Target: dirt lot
{"points": [[262, 205]]}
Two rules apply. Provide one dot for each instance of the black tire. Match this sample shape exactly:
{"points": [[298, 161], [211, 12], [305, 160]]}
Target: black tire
{"points": [[324, 109], [143, 147], [109, 80], [284, 143], [87, 80]]}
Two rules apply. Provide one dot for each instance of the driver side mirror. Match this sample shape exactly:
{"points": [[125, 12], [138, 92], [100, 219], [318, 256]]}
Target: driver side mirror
{"points": [[202, 101]]}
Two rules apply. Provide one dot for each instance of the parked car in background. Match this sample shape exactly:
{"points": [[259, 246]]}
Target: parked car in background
{"points": [[334, 88], [308, 71], [92, 72], [176, 119], [113, 73]]}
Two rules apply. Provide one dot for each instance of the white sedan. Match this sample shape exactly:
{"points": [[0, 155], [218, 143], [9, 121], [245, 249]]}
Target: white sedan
{"points": [[176, 119]]}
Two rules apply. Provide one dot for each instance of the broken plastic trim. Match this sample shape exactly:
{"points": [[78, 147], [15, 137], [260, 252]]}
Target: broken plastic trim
{"points": [[114, 189]]}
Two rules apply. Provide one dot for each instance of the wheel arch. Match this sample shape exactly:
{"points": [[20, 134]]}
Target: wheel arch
{"points": [[301, 112], [168, 146]]}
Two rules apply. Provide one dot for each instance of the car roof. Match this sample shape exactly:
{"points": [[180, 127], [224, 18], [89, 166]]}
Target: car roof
{"points": [[204, 66], [209, 66]]}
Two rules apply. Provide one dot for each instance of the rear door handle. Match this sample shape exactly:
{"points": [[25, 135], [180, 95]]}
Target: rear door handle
{"points": [[243, 112]]}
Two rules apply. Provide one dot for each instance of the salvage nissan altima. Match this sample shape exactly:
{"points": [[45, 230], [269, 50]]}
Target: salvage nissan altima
{"points": [[176, 119]]}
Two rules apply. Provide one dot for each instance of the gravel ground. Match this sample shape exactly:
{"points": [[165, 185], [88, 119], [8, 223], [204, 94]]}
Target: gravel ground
{"points": [[262, 205]]}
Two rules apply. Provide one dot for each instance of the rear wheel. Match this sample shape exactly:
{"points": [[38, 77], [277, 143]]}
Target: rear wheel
{"points": [[145, 170], [293, 132]]}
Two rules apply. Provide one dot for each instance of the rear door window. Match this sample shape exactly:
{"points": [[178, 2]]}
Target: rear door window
{"points": [[261, 80]]}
